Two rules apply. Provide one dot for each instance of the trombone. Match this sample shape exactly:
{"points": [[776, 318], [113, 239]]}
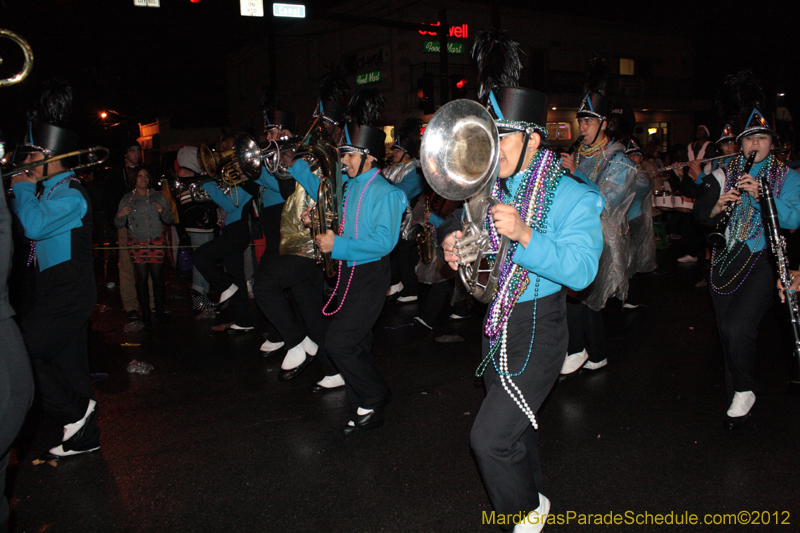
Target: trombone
{"points": [[26, 50], [92, 155]]}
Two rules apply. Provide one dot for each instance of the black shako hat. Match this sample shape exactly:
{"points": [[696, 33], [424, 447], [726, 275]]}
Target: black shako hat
{"points": [[367, 140], [519, 109], [406, 144], [595, 105], [334, 112], [51, 140], [279, 119]]}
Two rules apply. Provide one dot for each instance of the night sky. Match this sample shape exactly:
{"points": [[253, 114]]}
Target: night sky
{"points": [[147, 63]]}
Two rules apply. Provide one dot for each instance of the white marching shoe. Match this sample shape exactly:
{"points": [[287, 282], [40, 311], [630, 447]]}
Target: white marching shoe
{"points": [[331, 382], [309, 346], [741, 404], [228, 293], [739, 411], [535, 521], [574, 361], [81, 436], [294, 357], [269, 346], [591, 365]]}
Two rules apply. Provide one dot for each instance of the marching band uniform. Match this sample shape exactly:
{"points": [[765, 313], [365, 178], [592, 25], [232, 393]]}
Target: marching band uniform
{"points": [[371, 211], [525, 330], [604, 164], [302, 326], [407, 177], [229, 247], [742, 278], [56, 329], [640, 221]]}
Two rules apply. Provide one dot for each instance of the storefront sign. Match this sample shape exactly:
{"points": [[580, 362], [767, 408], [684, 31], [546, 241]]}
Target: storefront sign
{"points": [[369, 77], [434, 47], [459, 32]]}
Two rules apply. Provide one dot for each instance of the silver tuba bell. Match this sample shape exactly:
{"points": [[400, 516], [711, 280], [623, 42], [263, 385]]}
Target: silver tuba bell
{"points": [[460, 159]]}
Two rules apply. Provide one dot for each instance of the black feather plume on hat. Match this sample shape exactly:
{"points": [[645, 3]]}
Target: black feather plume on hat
{"points": [[366, 107], [740, 93], [596, 75], [268, 98], [497, 58], [55, 104], [410, 129], [333, 86]]}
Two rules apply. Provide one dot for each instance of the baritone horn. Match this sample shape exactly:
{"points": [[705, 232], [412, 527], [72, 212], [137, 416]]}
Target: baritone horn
{"points": [[460, 157], [27, 52], [320, 151]]}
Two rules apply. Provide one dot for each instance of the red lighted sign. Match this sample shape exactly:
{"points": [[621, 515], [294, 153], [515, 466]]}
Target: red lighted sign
{"points": [[460, 32]]}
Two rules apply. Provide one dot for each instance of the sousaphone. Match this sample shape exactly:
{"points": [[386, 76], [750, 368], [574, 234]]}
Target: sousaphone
{"points": [[460, 157]]}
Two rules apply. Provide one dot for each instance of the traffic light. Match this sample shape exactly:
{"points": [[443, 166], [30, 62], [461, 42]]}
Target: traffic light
{"points": [[458, 86], [425, 93]]}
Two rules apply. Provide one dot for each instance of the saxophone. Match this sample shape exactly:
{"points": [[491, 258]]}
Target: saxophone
{"points": [[425, 242]]}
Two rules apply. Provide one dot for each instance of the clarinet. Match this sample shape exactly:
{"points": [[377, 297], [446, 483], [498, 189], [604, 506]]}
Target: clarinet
{"points": [[769, 214], [717, 237], [575, 145]]}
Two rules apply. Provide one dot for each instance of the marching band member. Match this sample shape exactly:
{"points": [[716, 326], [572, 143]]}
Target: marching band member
{"points": [[59, 224], [603, 163], [404, 173], [371, 211], [640, 221], [228, 246], [742, 276], [553, 223]]}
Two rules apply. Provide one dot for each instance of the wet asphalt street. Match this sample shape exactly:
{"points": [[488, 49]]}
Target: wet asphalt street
{"points": [[211, 441]]}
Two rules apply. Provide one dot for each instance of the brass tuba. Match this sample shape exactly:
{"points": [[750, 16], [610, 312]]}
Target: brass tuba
{"points": [[319, 150], [252, 158], [460, 159], [26, 50]]}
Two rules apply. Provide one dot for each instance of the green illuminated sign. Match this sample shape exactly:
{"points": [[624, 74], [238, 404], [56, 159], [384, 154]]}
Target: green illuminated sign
{"points": [[369, 77], [434, 47]]}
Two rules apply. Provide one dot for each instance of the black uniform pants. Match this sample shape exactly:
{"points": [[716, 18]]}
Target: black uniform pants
{"points": [[16, 393], [586, 330], [305, 279], [404, 258], [229, 247], [349, 338], [738, 317], [505, 443], [56, 334]]}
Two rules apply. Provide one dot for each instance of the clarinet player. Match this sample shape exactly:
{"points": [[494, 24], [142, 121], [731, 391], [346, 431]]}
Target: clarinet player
{"points": [[742, 277]]}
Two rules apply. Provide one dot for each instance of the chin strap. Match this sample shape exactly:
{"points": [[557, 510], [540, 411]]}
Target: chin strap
{"points": [[361, 166], [596, 135]]}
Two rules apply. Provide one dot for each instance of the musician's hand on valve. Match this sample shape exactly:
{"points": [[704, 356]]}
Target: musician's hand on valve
{"points": [[508, 222], [325, 242], [732, 196], [569, 163], [795, 274], [749, 185], [450, 254], [305, 217]]}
